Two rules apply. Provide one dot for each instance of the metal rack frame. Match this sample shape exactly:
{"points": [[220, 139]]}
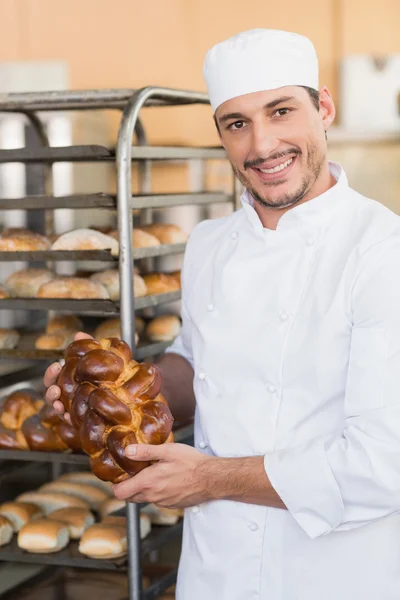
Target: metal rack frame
{"points": [[130, 102]]}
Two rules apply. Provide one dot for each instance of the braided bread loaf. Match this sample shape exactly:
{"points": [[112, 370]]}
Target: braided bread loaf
{"points": [[47, 432], [113, 401]]}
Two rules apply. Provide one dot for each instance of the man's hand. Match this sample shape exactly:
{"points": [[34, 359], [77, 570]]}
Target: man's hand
{"points": [[50, 378], [177, 480]]}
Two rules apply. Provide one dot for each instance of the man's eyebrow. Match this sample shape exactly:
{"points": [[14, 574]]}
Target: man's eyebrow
{"points": [[272, 104]]}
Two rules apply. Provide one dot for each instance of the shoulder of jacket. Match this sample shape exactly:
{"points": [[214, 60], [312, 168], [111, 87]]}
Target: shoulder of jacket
{"points": [[212, 229]]}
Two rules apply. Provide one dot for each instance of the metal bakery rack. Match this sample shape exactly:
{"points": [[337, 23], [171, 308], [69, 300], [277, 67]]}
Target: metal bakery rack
{"points": [[130, 103]]}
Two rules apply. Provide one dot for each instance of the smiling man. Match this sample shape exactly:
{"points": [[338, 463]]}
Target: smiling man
{"points": [[289, 357]]}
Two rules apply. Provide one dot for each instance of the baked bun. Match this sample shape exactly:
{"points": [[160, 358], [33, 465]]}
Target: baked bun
{"points": [[164, 328], [12, 440], [16, 239], [140, 238], [111, 328], [58, 323], [43, 536], [113, 401], [161, 283], [20, 513], [6, 531], [54, 341], [86, 239], [72, 287], [16, 409], [9, 338], [76, 519], [166, 233], [4, 293], [50, 501], [89, 479], [145, 523], [26, 282], [90, 494], [104, 541], [110, 280], [46, 431], [110, 506], [162, 516]]}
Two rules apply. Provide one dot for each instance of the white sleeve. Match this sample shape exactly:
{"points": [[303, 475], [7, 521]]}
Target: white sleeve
{"points": [[350, 481]]}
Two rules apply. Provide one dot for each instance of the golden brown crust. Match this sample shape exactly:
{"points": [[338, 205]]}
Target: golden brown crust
{"points": [[4, 293], [162, 283], [140, 238], [26, 282], [72, 287], [54, 341], [18, 407], [110, 280], [16, 238], [166, 233], [164, 328], [59, 323]]}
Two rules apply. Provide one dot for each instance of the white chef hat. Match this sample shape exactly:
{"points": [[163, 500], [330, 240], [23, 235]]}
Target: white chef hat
{"points": [[257, 60]]}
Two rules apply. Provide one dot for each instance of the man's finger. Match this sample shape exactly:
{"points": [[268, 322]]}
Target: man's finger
{"points": [[81, 335], [53, 394], [59, 407], [147, 451], [129, 488], [51, 374]]}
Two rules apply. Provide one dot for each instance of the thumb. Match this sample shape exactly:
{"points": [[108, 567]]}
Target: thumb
{"points": [[147, 451], [82, 336]]}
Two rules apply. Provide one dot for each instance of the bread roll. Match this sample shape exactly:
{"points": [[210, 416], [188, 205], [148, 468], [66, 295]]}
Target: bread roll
{"points": [[51, 501], [111, 506], [161, 283], [164, 328], [59, 323], [12, 440], [9, 338], [104, 541], [92, 495], [20, 513], [72, 287], [111, 328], [17, 239], [17, 407], [166, 233], [86, 239], [145, 525], [162, 516], [54, 341], [6, 531], [43, 536], [76, 519], [26, 283], [140, 238], [110, 280], [89, 479], [4, 293]]}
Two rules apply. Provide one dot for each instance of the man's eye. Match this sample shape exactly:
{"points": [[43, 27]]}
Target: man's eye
{"points": [[281, 112], [237, 125]]}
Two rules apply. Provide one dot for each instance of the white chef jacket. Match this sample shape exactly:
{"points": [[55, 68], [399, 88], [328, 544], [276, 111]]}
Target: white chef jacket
{"points": [[294, 337]]}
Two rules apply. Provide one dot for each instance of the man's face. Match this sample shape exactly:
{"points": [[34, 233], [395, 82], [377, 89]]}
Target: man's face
{"points": [[275, 141]]}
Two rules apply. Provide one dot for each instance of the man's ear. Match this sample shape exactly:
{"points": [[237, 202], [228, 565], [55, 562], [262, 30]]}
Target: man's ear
{"points": [[327, 108]]}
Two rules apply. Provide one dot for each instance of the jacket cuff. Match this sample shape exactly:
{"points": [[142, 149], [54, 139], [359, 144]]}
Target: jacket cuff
{"points": [[304, 481]]}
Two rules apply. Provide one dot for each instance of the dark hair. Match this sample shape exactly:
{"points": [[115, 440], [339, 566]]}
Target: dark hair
{"points": [[314, 97]]}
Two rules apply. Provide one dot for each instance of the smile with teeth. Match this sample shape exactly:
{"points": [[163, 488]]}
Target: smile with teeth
{"points": [[278, 167]]}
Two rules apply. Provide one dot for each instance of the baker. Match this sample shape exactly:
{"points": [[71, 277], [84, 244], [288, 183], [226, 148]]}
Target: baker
{"points": [[289, 356]]}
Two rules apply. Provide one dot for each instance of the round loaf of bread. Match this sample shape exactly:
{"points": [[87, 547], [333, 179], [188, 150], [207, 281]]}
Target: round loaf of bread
{"points": [[90, 494], [76, 288], [161, 283], [26, 282], [162, 516], [17, 407], [76, 519], [166, 233], [61, 323], [121, 521], [111, 328], [16, 239], [20, 513], [9, 338], [6, 531], [47, 432], [89, 479], [54, 341], [140, 238], [164, 328], [86, 239], [50, 501], [110, 280], [43, 536], [104, 541]]}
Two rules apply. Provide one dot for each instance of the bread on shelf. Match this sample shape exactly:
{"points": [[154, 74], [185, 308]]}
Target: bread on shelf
{"points": [[86, 239], [76, 288], [161, 283], [162, 516], [89, 479], [9, 338], [76, 519], [57, 323], [4, 293], [20, 513], [20, 239], [12, 440], [26, 282], [18, 407], [166, 233], [50, 501], [112, 328], [110, 280], [90, 494], [43, 536], [54, 341], [164, 328], [140, 238], [110, 506], [104, 541], [6, 531]]}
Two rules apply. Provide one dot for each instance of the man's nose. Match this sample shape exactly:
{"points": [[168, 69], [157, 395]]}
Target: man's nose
{"points": [[263, 142]]}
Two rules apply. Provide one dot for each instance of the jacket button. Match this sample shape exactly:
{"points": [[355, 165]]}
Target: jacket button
{"points": [[195, 509], [210, 307], [253, 526], [271, 388], [203, 444], [202, 375], [283, 316], [234, 235]]}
